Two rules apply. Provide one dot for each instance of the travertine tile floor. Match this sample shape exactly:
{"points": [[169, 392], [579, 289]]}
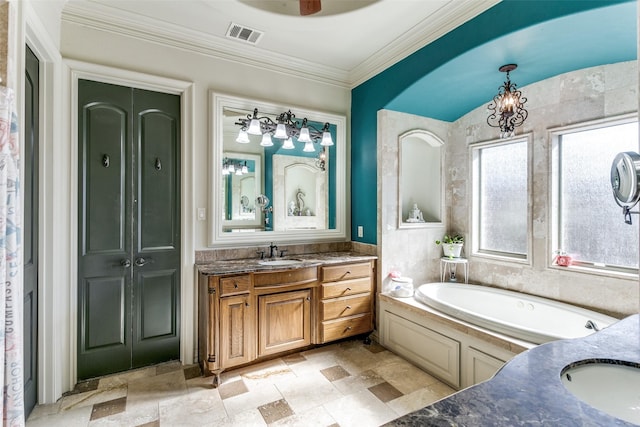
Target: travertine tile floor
{"points": [[343, 384]]}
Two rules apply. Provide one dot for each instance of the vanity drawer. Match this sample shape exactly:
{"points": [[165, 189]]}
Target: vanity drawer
{"points": [[292, 276], [345, 327], [345, 306], [333, 273], [346, 287], [235, 285]]}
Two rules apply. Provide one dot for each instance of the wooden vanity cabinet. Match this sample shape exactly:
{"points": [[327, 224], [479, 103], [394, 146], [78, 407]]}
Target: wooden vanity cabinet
{"points": [[284, 321], [346, 300], [285, 314], [236, 330], [227, 319], [250, 316]]}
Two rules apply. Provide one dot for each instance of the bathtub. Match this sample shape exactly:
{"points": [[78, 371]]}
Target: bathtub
{"points": [[526, 317]]}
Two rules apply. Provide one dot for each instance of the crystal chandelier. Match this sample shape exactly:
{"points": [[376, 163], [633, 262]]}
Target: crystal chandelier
{"points": [[506, 109], [285, 128]]}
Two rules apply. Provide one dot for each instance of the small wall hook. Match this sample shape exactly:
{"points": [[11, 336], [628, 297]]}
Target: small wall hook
{"points": [[158, 164], [106, 161]]}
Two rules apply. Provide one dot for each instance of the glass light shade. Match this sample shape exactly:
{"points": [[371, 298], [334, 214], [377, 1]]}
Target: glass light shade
{"points": [[243, 137], [254, 127], [308, 147], [326, 139], [231, 168], [239, 171], [281, 131], [266, 140], [245, 169], [304, 136], [225, 170], [507, 103], [288, 144], [322, 155]]}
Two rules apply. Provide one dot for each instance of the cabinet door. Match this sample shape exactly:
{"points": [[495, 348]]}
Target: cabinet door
{"points": [[438, 354], [236, 330], [479, 366], [284, 321]]}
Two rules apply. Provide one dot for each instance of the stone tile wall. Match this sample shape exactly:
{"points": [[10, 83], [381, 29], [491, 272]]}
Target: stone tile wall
{"points": [[575, 97]]}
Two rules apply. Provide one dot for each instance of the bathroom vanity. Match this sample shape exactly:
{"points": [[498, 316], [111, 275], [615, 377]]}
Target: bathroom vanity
{"points": [[250, 310]]}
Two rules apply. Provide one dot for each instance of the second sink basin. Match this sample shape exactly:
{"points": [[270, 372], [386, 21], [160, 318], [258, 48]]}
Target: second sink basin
{"points": [[280, 262], [611, 387]]}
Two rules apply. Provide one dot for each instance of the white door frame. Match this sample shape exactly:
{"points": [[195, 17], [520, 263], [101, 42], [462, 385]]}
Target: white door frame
{"points": [[52, 303], [76, 70]]}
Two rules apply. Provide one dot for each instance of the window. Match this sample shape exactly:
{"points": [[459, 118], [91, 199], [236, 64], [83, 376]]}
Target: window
{"points": [[587, 223], [500, 199]]}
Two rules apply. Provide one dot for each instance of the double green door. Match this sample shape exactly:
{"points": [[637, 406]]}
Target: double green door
{"points": [[128, 228]]}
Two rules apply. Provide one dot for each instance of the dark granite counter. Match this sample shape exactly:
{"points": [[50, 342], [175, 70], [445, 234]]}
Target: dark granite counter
{"points": [[528, 390], [307, 260]]}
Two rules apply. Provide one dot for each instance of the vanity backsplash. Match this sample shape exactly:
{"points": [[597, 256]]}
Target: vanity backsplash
{"points": [[210, 255]]}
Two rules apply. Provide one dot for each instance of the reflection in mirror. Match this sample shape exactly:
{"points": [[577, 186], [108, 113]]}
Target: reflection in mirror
{"points": [[241, 184], [304, 182]]}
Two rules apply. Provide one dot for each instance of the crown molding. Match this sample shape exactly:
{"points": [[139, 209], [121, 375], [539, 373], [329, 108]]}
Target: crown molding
{"points": [[100, 17], [430, 29], [123, 23]]}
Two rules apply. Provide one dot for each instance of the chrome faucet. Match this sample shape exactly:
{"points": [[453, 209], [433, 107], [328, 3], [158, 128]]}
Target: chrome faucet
{"points": [[273, 249], [591, 325]]}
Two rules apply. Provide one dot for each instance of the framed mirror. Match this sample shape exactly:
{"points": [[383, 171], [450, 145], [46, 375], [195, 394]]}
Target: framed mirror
{"points": [[280, 195]]}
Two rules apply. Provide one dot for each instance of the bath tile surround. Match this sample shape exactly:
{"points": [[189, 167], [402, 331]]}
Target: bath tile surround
{"points": [[346, 384], [572, 98]]}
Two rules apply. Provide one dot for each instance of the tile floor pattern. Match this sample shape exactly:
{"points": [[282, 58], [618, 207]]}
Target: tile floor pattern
{"points": [[342, 384]]}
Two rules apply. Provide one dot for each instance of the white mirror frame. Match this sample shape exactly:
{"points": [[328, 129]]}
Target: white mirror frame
{"points": [[220, 239]]}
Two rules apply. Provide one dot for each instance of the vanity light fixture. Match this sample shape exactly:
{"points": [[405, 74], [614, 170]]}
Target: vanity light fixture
{"points": [[506, 109], [230, 168], [285, 127]]}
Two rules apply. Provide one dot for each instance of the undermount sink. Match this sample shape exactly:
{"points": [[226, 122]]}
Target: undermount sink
{"points": [[609, 386], [280, 262]]}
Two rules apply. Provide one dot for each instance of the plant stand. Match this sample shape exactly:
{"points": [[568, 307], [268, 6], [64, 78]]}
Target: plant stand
{"points": [[449, 267]]}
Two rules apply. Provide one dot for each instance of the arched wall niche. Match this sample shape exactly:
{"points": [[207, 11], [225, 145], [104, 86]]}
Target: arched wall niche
{"points": [[420, 183]]}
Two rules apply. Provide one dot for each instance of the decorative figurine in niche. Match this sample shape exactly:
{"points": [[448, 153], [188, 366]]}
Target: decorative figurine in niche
{"points": [[415, 215], [300, 201]]}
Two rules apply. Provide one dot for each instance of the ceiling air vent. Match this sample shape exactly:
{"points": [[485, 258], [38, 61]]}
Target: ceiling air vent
{"points": [[242, 33]]}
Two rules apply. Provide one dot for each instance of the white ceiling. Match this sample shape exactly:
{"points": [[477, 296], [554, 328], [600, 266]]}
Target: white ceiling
{"points": [[341, 48]]}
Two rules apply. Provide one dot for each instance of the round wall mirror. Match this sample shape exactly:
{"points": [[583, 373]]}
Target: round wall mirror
{"points": [[625, 178]]}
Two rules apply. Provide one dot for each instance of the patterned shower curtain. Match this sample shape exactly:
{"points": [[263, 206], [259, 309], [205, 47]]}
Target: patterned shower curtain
{"points": [[11, 286]]}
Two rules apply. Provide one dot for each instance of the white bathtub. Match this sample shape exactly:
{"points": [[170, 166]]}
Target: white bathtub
{"points": [[529, 318]]}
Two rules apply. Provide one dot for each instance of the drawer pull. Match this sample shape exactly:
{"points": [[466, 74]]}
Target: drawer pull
{"points": [[348, 307], [348, 289], [348, 272], [348, 328], [246, 304], [235, 285]]}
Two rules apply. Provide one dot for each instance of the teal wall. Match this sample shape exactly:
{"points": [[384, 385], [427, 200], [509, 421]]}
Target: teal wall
{"points": [[458, 72]]}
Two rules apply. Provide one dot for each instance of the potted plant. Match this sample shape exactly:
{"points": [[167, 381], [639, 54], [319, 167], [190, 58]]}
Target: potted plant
{"points": [[451, 245]]}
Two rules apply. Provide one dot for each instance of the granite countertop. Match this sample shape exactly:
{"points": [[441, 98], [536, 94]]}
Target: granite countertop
{"points": [[250, 265], [528, 389]]}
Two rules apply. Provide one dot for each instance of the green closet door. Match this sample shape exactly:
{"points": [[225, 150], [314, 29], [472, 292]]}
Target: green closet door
{"points": [[129, 228]]}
